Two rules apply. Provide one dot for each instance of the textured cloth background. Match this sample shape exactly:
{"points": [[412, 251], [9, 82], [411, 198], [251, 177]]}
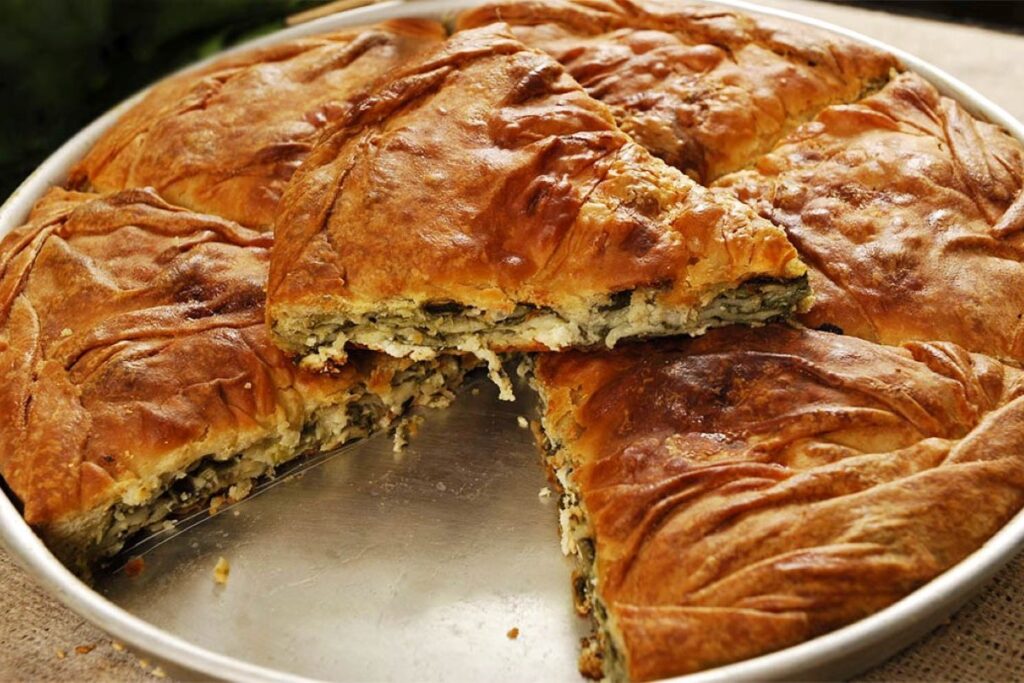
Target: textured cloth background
{"points": [[984, 641]]}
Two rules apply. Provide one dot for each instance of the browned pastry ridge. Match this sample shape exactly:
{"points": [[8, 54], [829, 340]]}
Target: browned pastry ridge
{"points": [[481, 200], [704, 87], [910, 215], [226, 138], [747, 490], [137, 378]]}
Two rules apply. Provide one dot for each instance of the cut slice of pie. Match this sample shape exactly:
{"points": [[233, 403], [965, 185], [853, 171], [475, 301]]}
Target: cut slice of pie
{"points": [[704, 87], [482, 201], [137, 378], [226, 138], [910, 215], [748, 490]]}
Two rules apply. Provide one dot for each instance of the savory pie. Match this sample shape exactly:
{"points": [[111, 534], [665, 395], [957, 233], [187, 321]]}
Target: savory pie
{"points": [[226, 138], [910, 215], [704, 87], [137, 378], [738, 493], [504, 190], [481, 201]]}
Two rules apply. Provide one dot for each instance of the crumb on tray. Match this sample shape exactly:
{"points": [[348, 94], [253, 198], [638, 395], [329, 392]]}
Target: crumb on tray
{"points": [[85, 649], [221, 571], [216, 503], [545, 492], [134, 567], [513, 633]]}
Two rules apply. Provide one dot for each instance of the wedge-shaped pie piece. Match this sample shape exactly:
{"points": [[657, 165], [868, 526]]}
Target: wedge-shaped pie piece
{"points": [[137, 378], [704, 87], [910, 215], [225, 139], [742, 492], [482, 201]]}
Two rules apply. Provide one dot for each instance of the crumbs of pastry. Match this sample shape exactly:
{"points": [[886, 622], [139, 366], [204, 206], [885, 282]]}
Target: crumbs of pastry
{"points": [[216, 503], [522, 422], [544, 493], [134, 567], [513, 633], [119, 647], [85, 649], [406, 429], [239, 491], [221, 571], [61, 654]]}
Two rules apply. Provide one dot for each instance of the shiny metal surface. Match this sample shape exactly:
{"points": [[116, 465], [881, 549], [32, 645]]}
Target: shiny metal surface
{"points": [[361, 566], [368, 564]]}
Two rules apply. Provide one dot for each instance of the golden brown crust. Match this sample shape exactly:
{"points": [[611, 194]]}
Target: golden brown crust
{"points": [[132, 344], [909, 213], [484, 175], [705, 88], [225, 139], [751, 489]]}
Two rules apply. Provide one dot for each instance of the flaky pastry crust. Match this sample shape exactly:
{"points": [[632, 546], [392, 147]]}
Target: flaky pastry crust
{"points": [[226, 138], [753, 488], [132, 347], [704, 87], [909, 213], [485, 179]]}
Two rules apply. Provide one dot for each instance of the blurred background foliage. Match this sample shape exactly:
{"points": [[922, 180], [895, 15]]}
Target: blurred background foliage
{"points": [[65, 62]]}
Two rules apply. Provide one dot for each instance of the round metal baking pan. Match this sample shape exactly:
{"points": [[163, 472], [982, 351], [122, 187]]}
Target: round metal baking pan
{"points": [[366, 565]]}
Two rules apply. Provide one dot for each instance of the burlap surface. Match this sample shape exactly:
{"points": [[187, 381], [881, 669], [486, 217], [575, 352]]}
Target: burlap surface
{"points": [[983, 642]]}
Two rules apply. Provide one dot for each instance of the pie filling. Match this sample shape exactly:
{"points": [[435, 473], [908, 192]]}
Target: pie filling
{"points": [[601, 655], [150, 506], [420, 331]]}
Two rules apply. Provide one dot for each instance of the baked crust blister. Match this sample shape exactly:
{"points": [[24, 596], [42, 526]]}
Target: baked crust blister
{"points": [[136, 365], [482, 201], [225, 139], [706, 88], [750, 489]]}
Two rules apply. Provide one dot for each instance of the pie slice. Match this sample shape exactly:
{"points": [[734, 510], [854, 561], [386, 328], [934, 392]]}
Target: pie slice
{"points": [[481, 201], [704, 87], [137, 378], [226, 138], [748, 490], [910, 215]]}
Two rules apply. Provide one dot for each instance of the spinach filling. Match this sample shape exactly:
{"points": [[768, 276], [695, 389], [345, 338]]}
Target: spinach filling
{"points": [[635, 313]]}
